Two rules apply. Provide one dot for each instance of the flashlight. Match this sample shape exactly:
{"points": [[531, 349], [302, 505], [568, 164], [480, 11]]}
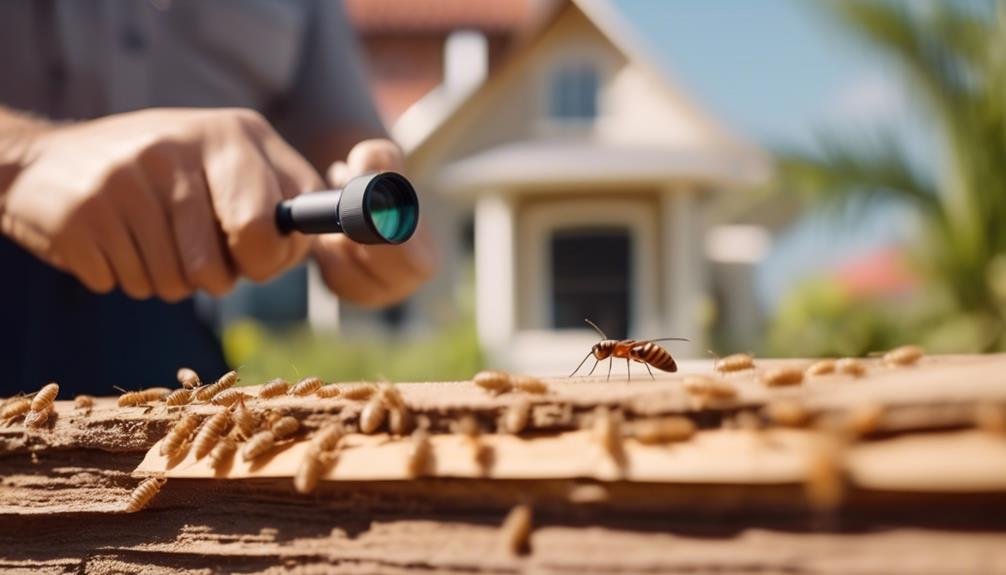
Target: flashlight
{"points": [[377, 208]]}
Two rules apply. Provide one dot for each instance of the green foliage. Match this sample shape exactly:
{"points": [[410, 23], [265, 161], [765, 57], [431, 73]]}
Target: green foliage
{"points": [[953, 55], [451, 354]]}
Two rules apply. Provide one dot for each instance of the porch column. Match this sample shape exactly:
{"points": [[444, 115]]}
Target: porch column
{"points": [[495, 298], [682, 285]]}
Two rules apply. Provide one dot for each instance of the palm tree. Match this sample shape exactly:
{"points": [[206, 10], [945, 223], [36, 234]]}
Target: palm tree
{"points": [[953, 56]]}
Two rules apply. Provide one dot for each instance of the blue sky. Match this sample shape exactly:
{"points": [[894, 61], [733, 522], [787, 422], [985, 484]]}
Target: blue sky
{"points": [[780, 72], [777, 70]]}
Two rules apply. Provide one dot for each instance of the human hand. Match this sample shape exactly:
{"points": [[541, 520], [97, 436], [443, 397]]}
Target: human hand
{"points": [[159, 202], [373, 275]]}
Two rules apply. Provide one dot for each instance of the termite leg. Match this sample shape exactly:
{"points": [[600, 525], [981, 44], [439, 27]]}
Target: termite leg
{"points": [[610, 361], [596, 361], [628, 370], [649, 370]]}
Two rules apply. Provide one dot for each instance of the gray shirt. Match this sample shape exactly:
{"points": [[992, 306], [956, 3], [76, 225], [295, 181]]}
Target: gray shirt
{"points": [[296, 61]]}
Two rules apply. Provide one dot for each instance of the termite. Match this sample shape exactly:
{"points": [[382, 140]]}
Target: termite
{"points": [[328, 391], [222, 453], [226, 381], [515, 532], [706, 388], [178, 397], [45, 396], [820, 367], [358, 392], [420, 458], [16, 408], [275, 387], [372, 415], [258, 444], [245, 420], [284, 427], [646, 352], [903, 356], [188, 378], [134, 398], [36, 419], [850, 366], [782, 376], [788, 413], [143, 493], [309, 471], [306, 386], [399, 421], [493, 381], [210, 432], [481, 452], [663, 430], [328, 437], [824, 482], [529, 384], [734, 362], [863, 419], [83, 402], [179, 435], [516, 417], [227, 397]]}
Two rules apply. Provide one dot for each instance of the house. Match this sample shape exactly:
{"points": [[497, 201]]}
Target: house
{"points": [[589, 176]]}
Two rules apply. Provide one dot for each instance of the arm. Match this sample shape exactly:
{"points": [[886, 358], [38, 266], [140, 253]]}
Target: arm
{"points": [[17, 131], [155, 202], [330, 115]]}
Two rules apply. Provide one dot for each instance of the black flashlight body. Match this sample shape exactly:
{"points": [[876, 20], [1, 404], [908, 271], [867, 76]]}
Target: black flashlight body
{"points": [[377, 208]]}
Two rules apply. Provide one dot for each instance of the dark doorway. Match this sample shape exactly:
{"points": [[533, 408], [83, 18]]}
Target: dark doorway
{"points": [[591, 270]]}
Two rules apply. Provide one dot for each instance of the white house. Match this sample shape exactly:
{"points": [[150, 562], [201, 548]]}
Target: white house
{"points": [[590, 176]]}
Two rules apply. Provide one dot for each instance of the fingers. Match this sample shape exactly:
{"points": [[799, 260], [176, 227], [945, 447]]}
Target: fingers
{"points": [[338, 174], [119, 249], [244, 192], [143, 214], [373, 155], [371, 276], [197, 239], [84, 259]]}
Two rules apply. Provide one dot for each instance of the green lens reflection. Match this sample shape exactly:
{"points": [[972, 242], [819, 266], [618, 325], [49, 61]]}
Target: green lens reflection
{"points": [[392, 213]]}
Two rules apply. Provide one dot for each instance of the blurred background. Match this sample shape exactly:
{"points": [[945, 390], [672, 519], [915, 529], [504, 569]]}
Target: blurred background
{"points": [[782, 177]]}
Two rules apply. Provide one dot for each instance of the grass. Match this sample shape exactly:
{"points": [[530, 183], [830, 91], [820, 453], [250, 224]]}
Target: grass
{"points": [[262, 354]]}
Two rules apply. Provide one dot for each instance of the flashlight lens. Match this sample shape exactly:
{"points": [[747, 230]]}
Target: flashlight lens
{"points": [[393, 211]]}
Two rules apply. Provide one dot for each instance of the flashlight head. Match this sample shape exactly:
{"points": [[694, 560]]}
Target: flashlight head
{"points": [[379, 208]]}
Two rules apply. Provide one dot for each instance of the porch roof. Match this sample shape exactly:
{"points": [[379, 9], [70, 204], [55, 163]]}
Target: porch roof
{"points": [[591, 164]]}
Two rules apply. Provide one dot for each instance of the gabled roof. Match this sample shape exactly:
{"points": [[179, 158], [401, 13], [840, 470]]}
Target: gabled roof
{"points": [[437, 114]]}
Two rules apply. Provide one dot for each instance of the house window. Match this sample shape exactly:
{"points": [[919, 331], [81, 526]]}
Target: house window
{"points": [[574, 93], [591, 271]]}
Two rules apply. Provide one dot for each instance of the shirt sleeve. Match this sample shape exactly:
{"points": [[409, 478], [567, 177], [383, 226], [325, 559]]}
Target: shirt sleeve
{"points": [[329, 107]]}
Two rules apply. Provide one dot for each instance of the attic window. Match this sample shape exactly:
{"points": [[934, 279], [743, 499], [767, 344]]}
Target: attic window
{"points": [[574, 93]]}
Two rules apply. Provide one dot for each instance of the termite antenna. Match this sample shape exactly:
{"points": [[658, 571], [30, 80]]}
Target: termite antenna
{"points": [[597, 329], [581, 364], [665, 339], [119, 389]]}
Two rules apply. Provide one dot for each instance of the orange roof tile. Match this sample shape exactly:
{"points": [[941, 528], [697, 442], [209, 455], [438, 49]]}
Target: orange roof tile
{"points": [[438, 15]]}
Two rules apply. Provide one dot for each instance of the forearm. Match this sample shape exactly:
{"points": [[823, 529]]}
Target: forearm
{"points": [[17, 132]]}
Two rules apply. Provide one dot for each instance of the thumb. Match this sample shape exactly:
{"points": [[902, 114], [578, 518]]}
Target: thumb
{"points": [[339, 174]]}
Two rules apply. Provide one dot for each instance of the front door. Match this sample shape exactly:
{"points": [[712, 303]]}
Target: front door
{"points": [[591, 275]]}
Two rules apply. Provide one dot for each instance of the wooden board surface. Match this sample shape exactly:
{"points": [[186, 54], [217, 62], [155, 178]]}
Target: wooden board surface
{"points": [[925, 490]]}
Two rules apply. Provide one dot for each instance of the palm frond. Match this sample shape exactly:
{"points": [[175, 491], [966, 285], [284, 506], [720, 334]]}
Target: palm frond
{"points": [[842, 175]]}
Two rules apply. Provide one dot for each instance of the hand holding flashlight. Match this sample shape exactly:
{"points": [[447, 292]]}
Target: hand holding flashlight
{"points": [[166, 202], [376, 208]]}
